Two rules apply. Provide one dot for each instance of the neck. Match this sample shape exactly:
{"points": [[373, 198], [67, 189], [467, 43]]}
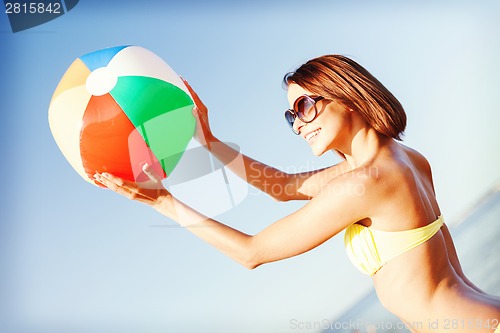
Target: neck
{"points": [[365, 144]]}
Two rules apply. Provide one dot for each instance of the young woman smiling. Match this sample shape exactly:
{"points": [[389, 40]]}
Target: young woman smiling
{"points": [[381, 195]]}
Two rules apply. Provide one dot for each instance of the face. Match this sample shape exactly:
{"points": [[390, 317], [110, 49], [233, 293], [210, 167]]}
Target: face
{"points": [[330, 128]]}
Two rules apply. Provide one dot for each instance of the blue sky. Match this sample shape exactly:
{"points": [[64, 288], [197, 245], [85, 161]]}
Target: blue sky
{"points": [[76, 257]]}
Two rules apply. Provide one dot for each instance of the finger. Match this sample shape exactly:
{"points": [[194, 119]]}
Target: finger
{"points": [[203, 117], [188, 86], [148, 170], [109, 179], [193, 93], [202, 121], [99, 183], [196, 113], [186, 83], [119, 186]]}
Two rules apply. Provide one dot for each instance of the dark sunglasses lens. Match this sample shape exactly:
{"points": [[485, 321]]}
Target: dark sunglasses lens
{"points": [[290, 119], [306, 108]]}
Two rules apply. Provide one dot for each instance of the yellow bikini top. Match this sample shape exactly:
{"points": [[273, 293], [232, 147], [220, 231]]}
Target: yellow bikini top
{"points": [[370, 249]]}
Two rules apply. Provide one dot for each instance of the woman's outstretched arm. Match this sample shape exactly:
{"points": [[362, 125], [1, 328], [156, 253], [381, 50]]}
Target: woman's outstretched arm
{"points": [[332, 210], [278, 184]]}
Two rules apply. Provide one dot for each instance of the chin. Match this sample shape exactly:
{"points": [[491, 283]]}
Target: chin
{"points": [[318, 151]]}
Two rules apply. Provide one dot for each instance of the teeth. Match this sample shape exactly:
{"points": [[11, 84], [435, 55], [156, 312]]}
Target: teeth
{"points": [[312, 135]]}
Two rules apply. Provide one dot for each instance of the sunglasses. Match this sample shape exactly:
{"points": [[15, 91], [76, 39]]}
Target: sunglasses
{"points": [[304, 108]]}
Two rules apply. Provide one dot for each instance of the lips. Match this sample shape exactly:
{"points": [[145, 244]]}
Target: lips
{"points": [[312, 135]]}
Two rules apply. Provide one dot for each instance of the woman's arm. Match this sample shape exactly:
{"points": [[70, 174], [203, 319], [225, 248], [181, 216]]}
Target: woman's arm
{"points": [[335, 207], [280, 185]]}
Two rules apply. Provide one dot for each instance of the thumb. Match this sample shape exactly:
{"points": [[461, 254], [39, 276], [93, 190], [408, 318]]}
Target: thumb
{"points": [[148, 170]]}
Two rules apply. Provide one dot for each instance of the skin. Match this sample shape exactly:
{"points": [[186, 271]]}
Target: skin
{"points": [[381, 184]]}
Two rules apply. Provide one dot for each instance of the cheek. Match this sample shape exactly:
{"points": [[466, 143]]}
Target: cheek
{"points": [[336, 122], [337, 131]]}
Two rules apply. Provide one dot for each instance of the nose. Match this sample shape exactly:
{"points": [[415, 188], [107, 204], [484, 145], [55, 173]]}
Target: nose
{"points": [[298, 124]]}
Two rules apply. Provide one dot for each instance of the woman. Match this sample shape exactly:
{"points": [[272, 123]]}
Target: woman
{"points": [[382, 195]]}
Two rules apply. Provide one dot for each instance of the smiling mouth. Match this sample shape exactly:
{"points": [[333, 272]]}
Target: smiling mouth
{"points": [[310, 136]]}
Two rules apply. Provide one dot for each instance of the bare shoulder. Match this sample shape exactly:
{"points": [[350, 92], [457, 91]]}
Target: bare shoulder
{"points": [[347, 198], [308, 184], [417, 159], [363, 186]]}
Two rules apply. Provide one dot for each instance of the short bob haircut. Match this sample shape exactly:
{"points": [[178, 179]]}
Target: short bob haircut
{"points": [[340, 78]]}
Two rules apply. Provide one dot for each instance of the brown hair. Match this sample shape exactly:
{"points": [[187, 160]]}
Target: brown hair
{"points": [[340, 78]]}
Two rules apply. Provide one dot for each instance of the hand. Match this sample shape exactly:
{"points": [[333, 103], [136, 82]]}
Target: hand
{"points": [[151, 192], [203, 132]]}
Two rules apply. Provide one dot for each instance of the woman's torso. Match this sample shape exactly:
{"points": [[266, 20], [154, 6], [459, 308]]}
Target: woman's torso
{"points": [[421, 286]]}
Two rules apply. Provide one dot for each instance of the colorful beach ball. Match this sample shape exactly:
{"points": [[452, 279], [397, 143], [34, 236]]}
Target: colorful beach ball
{"points": [[118, 108]]}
